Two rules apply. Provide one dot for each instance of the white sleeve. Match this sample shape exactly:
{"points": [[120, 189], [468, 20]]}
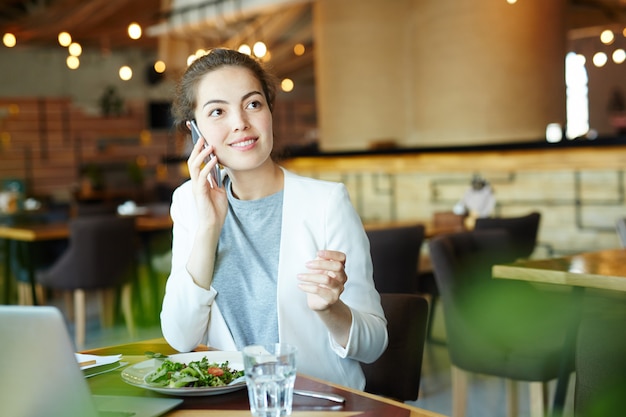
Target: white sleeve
{"points": [[186, 306], [368, 334]]}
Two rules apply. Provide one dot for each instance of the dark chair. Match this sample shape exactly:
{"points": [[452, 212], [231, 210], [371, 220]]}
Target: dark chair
{"points": [[97, 208], [101, 256], [501, 328], [397, 372], [395, 255], [601, 366], [523, 229]]}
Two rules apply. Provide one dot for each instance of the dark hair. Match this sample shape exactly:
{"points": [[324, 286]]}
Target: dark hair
{"points": [[186, 97]]}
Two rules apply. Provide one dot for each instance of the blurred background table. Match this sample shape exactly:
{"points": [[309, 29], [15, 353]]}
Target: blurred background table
{"points": [[30, 234]]}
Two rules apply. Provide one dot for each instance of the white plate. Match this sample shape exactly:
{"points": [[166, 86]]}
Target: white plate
{"points": [[136, 374]]}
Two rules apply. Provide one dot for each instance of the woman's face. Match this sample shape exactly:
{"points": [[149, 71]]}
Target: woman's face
{"points": [[233, 116]]}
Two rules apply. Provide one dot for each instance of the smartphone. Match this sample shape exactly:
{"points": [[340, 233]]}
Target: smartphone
{"points": [[195, 136]]}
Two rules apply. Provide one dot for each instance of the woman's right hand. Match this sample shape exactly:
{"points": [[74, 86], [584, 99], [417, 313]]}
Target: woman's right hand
{"points": [[211, 201]]}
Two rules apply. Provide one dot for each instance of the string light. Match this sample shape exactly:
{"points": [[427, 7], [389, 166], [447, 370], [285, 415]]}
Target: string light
{"points": [[134, 31], [600, 59], [72, 62], [286, 85], [9, 40], [75, 49], [607, 37], [298, 49], [245, 49], [159, 67], [126, 73], [259, 49], [65, 39], [619, 56]]}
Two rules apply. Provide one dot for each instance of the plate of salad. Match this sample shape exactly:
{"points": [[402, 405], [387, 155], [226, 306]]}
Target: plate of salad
{"points": [[188, 374]]}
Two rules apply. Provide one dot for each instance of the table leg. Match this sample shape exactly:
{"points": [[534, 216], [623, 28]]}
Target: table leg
{"points": [[152, 276], [31, 276], [29, 262], [7, 271], [568, 357]]}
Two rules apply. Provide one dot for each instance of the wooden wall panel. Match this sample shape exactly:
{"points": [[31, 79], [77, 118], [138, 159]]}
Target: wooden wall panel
{"points": [[45, 141]]}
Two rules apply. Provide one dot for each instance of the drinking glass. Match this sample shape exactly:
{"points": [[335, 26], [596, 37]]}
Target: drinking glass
{"points": [[270, 374]]}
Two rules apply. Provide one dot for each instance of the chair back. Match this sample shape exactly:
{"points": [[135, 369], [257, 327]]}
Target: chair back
{"points": [[601, 364], [94, 209], [395, 256], [489, 322], [524, 231], [102, 251], [397, 372]]}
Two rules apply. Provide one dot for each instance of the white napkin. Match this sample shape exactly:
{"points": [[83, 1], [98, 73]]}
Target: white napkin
{"points": [[100, 360]]}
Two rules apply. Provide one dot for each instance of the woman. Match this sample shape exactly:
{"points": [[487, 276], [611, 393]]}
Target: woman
{"points": [[271, 256]]}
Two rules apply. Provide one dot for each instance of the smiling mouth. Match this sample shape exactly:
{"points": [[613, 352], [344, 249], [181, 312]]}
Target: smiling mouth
{"points": [[243, 143]]}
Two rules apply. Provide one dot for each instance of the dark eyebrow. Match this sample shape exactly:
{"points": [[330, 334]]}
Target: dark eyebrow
{"points": [[213, 102], [250, 94], [245, 96]]}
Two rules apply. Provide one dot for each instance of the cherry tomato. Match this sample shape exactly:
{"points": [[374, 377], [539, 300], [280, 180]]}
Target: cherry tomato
{"points": [[215, 371]]}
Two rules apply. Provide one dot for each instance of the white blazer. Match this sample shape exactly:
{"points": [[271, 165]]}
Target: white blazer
{"points": [[316, 215]]}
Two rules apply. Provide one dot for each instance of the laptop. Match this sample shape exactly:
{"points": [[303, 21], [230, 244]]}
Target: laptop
{"points": [[39, 374]]}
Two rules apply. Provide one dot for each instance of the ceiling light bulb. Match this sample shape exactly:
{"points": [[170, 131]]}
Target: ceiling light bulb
{"points": [[9, 40], [299, 49], [619, 56], [126, 73], [134, 31], [75, 49], [286, 85], [72, 62], [259, 49], [159, 67], [244, 49], [600, 59], [607, 37], [65, 39]]}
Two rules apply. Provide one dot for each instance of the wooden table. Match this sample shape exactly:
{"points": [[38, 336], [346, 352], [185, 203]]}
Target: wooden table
{"points": [[605, 270], [30, 234], [236, 403], [602, 270], [430, 229]]}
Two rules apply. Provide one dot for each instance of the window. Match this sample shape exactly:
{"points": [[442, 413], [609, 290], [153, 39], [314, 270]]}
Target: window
{"points": [[576, 84]]}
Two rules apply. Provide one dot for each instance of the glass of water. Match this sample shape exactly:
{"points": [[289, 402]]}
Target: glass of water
{"points": [[270, 374]]}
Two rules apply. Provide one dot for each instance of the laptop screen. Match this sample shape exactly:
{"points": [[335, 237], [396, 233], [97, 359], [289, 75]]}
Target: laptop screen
{"points": [[41, 377]]}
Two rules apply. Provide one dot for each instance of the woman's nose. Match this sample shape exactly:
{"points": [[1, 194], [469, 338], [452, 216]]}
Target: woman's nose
{"points": [[239, 121]]}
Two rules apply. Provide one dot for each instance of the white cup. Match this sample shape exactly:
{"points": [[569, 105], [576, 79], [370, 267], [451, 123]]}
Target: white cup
{"points": [[270, 374]]}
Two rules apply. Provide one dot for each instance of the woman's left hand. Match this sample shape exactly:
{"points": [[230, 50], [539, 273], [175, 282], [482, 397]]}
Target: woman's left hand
{"points": [[325, 281]]}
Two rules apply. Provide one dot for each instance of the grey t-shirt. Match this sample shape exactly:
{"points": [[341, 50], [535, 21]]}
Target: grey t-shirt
{"points": [[246, 269]]}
